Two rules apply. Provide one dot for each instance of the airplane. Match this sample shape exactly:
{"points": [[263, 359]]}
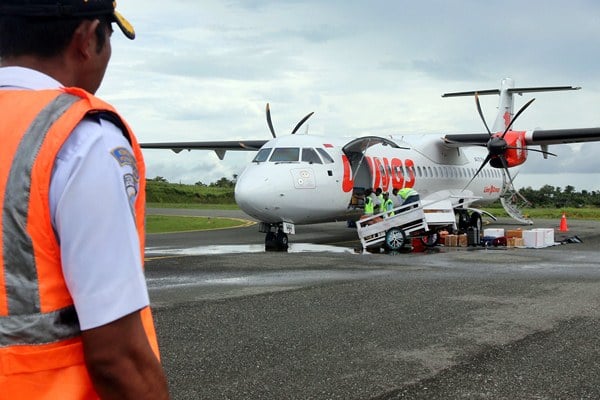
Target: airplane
{"points": [[305, 179]]}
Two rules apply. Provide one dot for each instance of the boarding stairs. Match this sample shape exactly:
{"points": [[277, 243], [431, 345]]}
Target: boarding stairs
{"points": [[513, 202]]}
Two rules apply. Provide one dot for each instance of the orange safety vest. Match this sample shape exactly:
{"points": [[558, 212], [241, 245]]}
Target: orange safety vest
{"points": [[41, 353]]}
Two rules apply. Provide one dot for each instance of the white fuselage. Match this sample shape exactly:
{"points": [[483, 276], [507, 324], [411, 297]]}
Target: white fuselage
{"points": [[304, 179]]}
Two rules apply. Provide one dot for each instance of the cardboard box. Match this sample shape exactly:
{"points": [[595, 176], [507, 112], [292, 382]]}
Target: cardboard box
{"points": [[547, 234], [451, 240], [533, 238], [514, 242], [462, 240], [493, 232], [514, 233]]}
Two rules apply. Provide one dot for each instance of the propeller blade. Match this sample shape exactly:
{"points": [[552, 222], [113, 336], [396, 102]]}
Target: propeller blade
{"points": [[481, 114], [303, 120], [517, 116], [536, 150], [505, 166], [269, 121], [487, 159]]}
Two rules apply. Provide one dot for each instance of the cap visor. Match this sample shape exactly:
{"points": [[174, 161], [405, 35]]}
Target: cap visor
{"points": [[124, 25]]}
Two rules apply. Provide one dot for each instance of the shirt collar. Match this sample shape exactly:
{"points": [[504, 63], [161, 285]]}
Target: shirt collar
{"points": [[26, 78]]}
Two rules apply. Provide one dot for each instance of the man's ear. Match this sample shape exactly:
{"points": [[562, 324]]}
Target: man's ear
{"points": [[84, 39]]}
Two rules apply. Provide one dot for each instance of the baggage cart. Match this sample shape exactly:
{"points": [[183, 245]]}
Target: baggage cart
{"points": [[420, 219]]}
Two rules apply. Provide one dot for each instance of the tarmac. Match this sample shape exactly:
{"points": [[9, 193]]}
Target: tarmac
{"points": [[326, 322]]}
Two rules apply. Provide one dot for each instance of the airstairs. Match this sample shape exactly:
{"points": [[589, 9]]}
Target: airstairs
{"points": [[513, 202]]}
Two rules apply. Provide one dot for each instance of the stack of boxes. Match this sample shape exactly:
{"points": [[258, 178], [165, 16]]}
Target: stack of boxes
{"points": [[514, 238], [536, 238], [455, 240]]}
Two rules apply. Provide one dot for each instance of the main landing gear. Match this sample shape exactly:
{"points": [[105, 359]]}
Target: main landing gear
{"points": [[466, 220], [275, 239]]}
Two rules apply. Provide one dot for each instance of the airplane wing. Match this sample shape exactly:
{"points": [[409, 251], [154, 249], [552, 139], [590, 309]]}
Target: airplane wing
{"points": [[542, 137], [219, 147]]}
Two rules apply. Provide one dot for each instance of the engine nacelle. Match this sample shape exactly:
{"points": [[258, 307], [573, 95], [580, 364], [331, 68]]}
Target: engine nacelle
{"points": [[516, 152]]}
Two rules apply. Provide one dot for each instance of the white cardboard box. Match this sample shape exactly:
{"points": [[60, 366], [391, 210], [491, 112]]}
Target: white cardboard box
{"points": [[533, 238], [493, 232], [548, 235]]}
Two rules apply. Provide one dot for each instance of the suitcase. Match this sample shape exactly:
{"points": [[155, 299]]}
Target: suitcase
{"points": [[473, 237]]}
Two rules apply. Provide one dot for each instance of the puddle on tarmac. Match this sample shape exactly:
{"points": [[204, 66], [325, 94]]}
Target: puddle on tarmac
{"points": [[243, 248], [259, 279]]}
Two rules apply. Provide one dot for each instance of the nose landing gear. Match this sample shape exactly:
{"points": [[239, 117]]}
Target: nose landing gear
{"points": [[275, 239]]}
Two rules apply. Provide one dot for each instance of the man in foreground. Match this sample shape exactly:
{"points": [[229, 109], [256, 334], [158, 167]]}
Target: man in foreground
{"points": [[75, 321]]}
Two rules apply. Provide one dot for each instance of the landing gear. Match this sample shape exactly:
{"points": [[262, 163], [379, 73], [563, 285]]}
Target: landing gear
{"points": [[274, 240], [464, 220], [475, 221]]}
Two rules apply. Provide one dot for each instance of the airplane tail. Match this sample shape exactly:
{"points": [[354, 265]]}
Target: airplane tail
{"points": [[506, 103]]}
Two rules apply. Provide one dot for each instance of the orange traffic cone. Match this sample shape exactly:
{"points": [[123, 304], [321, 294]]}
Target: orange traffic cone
{"points": [[563, 224]]}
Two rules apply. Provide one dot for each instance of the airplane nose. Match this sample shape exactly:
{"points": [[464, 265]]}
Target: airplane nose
{"points": [[254, 195]]}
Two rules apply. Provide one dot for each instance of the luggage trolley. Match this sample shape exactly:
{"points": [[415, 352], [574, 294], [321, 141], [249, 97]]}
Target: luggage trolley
{"points": [[423, 218]]}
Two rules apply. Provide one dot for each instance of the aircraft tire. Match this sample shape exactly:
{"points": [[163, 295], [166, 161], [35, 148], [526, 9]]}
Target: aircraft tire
{"points": [[281, 241], [475, 221], [395, 239], [270, 241], [463, 220]]}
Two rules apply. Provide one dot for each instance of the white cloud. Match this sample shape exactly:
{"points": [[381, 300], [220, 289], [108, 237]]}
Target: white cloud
{"points": [[204, 71]]}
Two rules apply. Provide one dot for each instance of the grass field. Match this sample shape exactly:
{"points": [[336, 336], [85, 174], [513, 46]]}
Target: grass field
{"points": [[587, 213], [169, 223], [166, 224]]}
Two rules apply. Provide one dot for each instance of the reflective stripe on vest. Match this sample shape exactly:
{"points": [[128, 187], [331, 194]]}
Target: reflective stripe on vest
{"points": [[25, 324]]}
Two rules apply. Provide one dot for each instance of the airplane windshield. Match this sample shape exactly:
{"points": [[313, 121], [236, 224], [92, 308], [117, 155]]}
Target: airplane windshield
{"points": [[262, 155], [310, 156], [285, 154], [325, 155]]}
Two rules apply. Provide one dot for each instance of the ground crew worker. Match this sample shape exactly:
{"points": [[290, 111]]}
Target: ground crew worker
{"points": [[378, 200], [75, 321], [408, 195], [388, 205], [397, 201], [369, 206]]}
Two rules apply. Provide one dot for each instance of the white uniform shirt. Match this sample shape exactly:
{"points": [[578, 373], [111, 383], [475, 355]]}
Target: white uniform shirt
{"points": [[91, 200]]}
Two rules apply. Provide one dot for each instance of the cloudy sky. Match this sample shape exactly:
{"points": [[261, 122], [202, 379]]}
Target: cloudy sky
{"points": [[204, 70]]}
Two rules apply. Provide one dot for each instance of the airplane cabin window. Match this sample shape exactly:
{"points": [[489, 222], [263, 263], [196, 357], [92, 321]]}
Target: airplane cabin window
{"points": [[310, 155], [262, 155], [285, 154], [326, 157]]}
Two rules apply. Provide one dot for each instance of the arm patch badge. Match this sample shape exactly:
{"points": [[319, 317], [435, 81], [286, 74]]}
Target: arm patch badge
{"points": [[125, 158]]}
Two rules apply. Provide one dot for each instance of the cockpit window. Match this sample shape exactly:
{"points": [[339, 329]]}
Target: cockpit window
{"points": [[325, 155], [310, 155], [262, 155], [285, 154]]}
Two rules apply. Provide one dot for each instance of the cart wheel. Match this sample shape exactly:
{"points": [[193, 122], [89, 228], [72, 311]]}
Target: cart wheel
{"points": [[395, 239], [430, 240]]}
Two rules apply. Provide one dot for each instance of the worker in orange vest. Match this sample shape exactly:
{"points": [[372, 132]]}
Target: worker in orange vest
{"points": [[75, 321]]}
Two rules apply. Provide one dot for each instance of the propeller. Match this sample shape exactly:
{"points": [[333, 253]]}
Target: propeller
{"points": [[298, 125], [497, 145]]}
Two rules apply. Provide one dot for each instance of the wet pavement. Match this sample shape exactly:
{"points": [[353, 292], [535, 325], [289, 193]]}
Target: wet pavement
{"points": [[451, 323]]}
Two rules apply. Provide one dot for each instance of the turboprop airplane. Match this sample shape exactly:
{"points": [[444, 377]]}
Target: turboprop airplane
{"points": [[303, 179]]}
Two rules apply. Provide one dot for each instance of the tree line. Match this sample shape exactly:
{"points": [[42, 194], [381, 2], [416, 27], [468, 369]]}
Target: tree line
{"points": [[547, 196]]}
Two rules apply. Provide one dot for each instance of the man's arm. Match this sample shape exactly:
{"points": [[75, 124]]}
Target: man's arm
{"points": [[121, 362]]}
